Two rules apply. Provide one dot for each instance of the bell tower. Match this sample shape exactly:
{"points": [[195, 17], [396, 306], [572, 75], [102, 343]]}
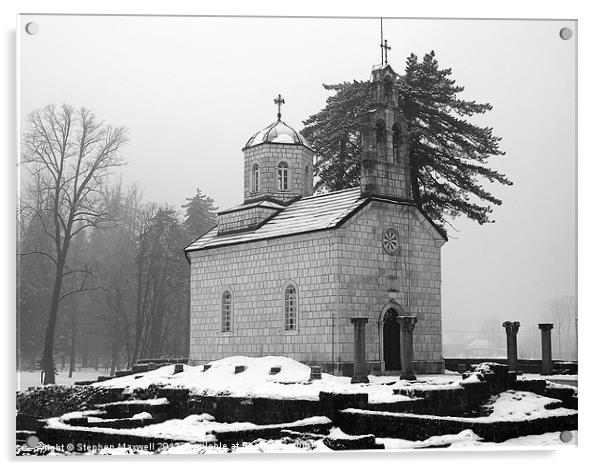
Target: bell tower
{"points": [[385, 169]]}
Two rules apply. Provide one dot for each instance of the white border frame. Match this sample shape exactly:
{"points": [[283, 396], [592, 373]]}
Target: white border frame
{"points": [[589, 171]]}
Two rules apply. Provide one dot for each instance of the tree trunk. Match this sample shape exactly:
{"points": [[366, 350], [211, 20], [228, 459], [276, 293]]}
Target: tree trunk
{"points": [[85, 355], [114, 356], [139, 311], [48, 354], [72, 353]]}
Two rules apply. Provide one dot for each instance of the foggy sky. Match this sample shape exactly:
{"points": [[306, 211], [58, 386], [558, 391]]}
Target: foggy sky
{"points": [[193, 90]]}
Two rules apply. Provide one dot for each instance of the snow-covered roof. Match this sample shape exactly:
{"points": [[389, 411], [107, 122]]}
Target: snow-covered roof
{"points": [[307, 214], [277, 133], [262, 203]]}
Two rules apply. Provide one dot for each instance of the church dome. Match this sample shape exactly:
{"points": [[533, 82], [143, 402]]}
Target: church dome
{"points": [[277, 133]]}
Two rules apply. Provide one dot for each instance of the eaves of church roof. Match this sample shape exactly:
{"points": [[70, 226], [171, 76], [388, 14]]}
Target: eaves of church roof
{"points": [[309, 214]]}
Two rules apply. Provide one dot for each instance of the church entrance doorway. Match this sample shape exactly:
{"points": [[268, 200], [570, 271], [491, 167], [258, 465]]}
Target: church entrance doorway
{"points": [[391, 349]]}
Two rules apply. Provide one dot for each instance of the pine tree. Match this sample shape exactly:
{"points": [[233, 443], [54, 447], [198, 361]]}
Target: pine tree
{"points": [[200, 215], [448, 154]]}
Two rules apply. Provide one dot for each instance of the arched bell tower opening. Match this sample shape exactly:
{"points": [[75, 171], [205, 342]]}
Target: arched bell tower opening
{"points": [[397, 141]]}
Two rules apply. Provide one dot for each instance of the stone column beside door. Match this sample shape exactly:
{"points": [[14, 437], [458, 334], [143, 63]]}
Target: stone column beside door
{"points": [[407, 324], [511, 345], [546, 348], [360, 372]]}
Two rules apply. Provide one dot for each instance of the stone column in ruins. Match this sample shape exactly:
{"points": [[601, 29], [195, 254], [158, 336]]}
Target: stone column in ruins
{"points": [[511, 332], [546, 348], [407, 324], [359, 350]]}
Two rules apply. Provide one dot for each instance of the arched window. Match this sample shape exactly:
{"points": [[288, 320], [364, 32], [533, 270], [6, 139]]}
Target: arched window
{"points": [[380, 132], [290, 308], [227, 312], [388, 85], [397, 140], [255, 177], [283, 176], [308, 180]]}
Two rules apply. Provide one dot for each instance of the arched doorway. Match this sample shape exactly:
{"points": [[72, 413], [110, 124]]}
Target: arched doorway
{"points": [[391, 351]]}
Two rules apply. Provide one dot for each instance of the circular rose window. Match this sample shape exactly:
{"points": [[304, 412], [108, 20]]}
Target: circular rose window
{"points": [[391, 241]]}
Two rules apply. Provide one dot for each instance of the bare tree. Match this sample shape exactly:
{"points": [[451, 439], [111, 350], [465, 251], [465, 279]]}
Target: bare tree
{"points": [[70, 154], [143, 276]]}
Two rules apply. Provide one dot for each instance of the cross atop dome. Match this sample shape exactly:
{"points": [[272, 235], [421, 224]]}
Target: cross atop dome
{"points": [[279, 101]]}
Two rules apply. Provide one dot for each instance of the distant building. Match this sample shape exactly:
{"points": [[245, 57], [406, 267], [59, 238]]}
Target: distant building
{"points": [[483, 349], [283, 273]]}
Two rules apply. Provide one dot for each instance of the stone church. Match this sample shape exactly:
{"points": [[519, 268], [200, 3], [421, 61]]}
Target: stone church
{"points": [[286, 271]]}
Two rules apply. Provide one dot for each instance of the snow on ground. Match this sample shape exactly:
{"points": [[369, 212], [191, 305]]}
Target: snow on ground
{"points": [[292, 382], [149, 401], [26, 379], [193, 428], [257, 446], [514, 406], [507, 406], [464, 439], [550, 377], [467, 438]]}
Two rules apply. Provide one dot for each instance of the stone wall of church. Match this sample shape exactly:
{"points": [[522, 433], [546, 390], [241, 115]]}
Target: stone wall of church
{"points": [[257, 274], [371, 279], [339, 274]]}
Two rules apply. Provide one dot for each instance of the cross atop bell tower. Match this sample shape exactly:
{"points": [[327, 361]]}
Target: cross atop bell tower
{"points": [[279, 101], [384, 60], [384, 47]]}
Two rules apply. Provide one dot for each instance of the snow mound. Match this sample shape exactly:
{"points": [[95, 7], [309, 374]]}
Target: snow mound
{"points": [[258, 369], [202, 418], [292, 381]]}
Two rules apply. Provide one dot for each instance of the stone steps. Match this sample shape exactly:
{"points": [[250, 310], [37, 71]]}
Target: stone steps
{"points": [[88, 439], [125, 409], [421, 427], [273, 431], [353, 443], [140, 367], [22, 436], [351, 412], [118, 423]]}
